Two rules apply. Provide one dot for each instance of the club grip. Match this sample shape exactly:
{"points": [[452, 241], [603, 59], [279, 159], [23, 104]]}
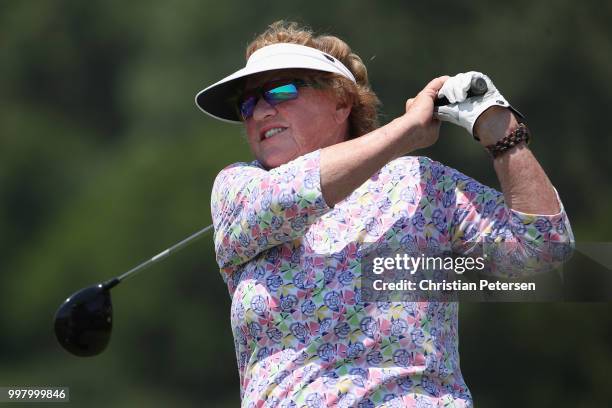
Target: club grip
{"points": [[478, 86]]}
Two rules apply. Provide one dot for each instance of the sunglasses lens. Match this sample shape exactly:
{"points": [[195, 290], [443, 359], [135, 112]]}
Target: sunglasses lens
{"points": [[248, 106], [281, 94], [273, 96]]}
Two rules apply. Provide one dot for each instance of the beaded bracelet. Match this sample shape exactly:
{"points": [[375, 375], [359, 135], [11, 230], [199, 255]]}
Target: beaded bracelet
{"points": [[517, 136]]}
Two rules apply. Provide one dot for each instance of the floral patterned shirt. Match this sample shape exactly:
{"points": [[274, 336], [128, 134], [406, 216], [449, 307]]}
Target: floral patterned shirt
{"points": [[303, 335]]}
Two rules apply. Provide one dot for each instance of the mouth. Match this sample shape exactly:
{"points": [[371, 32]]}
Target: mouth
{"points": [[268, 133]]}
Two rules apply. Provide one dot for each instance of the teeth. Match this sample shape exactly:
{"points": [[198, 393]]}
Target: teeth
{"points": [[272, 132]]}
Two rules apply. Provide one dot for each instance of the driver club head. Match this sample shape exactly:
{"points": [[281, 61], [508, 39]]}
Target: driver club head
{"points": [[83, 323]]}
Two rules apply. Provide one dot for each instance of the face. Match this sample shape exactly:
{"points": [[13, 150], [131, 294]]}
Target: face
{"points": [[280, 133]]}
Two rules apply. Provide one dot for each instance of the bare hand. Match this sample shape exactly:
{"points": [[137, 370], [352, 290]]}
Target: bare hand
{"points": [[425, 129]]}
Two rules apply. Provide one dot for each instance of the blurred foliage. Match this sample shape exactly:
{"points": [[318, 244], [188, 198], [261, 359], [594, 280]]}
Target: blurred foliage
{"points": [[105, 160]]}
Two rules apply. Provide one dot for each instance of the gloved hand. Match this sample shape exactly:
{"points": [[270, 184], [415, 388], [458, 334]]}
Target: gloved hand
{"points": [[464, 111]]}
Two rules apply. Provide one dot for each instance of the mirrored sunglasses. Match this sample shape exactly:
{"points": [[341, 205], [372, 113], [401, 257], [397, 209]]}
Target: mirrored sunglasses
{"points": [[273, 93]]}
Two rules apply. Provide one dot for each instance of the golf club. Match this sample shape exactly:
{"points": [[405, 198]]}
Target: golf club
{"points": [[478, 86], [83, 323]]}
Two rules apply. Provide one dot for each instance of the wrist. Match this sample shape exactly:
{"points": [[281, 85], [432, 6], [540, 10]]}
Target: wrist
{"points": [[494, 124], [517, 138], [404, 128]]}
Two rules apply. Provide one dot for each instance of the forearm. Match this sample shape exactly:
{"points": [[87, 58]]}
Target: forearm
{"points": [[525, 185], [347, 165]]}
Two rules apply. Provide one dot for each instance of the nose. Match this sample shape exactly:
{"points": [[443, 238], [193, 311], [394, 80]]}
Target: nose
{"points": [[263, 110]]}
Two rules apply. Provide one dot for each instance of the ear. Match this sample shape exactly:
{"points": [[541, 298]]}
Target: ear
{"points": [[343, 110]]}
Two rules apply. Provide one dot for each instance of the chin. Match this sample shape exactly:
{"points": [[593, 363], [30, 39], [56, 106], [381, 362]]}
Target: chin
{"points": [[273, 162]]}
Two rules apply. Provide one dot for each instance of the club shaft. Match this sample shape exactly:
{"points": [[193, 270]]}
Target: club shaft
{"points": [[163, 254]]}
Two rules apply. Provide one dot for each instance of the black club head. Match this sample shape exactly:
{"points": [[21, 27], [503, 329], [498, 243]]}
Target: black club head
{"points": [[83, 323]]}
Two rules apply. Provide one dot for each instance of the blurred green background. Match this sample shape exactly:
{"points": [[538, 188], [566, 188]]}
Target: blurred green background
{"points": [[105, 160]]}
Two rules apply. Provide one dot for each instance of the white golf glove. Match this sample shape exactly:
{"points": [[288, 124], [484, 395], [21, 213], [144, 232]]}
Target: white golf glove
{"points": [[464, 111]]}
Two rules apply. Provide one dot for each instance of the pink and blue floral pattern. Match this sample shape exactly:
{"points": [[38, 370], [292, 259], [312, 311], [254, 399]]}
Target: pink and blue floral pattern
{"points": [[303, 335]]}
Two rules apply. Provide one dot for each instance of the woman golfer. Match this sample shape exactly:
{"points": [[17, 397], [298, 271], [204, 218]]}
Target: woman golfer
{"points": [[327, 182]]}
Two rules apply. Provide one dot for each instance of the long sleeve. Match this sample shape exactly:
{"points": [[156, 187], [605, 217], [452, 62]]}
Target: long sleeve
{"points": [[480, 222], [254, 209]]}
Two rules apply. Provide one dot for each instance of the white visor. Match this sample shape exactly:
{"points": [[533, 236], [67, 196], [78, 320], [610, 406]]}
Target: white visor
{"points": [[220, 99]]}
